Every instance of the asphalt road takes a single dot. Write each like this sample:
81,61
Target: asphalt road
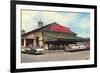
56,56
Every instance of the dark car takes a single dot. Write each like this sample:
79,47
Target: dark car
35,50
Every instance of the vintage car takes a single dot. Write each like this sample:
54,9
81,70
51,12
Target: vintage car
23,50
87,45
35,50
75,47
71,48
81,47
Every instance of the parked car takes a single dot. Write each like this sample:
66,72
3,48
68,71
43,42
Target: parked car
71,48
87,45
76,47
66,49
82,47
35,50
23,50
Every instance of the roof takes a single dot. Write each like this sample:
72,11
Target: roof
47,28
58,36
51,37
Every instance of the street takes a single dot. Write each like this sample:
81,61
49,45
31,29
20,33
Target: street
55,56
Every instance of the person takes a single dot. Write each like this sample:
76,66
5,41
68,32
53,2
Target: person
31,46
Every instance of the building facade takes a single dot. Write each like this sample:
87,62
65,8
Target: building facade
51,36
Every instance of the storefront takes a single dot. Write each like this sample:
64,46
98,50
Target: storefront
51,36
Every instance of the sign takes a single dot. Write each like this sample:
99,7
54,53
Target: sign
59,28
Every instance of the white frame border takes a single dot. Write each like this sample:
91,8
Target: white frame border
20,65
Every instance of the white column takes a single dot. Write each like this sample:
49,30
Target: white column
24,42
34,42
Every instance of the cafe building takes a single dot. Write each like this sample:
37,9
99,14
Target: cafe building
51,36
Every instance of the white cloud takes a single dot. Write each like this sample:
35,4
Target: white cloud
27,19
30,19
83,35
59,18
84,23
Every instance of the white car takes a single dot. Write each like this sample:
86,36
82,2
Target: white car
39,50
72,47
23,50
82,47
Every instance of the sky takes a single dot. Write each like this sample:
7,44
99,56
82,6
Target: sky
78,22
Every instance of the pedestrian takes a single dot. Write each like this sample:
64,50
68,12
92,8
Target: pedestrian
31,46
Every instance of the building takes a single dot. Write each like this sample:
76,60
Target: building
51,36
